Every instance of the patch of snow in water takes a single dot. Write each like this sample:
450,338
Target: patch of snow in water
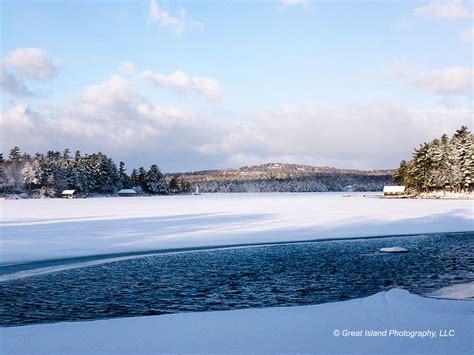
459,292
394,250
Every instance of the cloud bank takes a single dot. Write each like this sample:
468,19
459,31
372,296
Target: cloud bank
116,119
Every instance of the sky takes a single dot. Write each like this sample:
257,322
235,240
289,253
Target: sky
194,85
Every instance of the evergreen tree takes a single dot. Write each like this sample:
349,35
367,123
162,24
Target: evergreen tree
173,186
3,177
15,154
47,175
462,143
125,181
134,178
154,181
33,175
141,178
14,168
440,164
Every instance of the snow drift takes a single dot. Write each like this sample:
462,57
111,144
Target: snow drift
420,325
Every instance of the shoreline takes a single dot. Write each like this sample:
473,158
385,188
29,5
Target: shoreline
345,194
341,325
61,264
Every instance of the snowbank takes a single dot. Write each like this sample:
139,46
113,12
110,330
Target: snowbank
405,323
446,195
60,228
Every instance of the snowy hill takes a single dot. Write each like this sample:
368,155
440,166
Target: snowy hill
276,177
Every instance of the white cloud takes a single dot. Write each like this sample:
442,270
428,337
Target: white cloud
26,64
446,81
178,81
32,63
18,117
13,85
468,35
452,10
178,23
24,126
207,87
397,70
364,136
113,118
112,109
127,69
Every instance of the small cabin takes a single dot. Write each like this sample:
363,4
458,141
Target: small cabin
393,190
68,193
127,193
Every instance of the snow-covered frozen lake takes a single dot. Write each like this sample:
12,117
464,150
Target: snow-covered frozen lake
96,243
61,228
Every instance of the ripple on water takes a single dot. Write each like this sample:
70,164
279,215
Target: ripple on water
265,276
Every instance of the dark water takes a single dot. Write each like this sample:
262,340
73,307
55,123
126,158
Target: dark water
264,276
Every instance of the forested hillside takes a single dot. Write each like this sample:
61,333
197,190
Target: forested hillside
275,177
444,164
47,175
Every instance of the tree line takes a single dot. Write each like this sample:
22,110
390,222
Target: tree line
47,175
444,164
316,182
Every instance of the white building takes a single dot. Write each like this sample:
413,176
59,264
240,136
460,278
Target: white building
127,193
68,193
393,190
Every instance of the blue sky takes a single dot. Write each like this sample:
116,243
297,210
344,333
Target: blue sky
276,70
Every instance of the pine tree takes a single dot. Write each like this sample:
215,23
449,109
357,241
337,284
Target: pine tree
134,178
173,186
125,181
154,181
440,164
462,143
13,169
141,178
15,153
3,177
32,174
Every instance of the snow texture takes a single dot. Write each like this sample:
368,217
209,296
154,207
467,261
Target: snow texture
457,291
394,250
306,329
43,229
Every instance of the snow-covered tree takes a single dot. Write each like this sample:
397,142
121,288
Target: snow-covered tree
125,181
3,177
440,164
154,181
32,174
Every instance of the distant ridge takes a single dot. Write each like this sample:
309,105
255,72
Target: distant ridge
278,177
